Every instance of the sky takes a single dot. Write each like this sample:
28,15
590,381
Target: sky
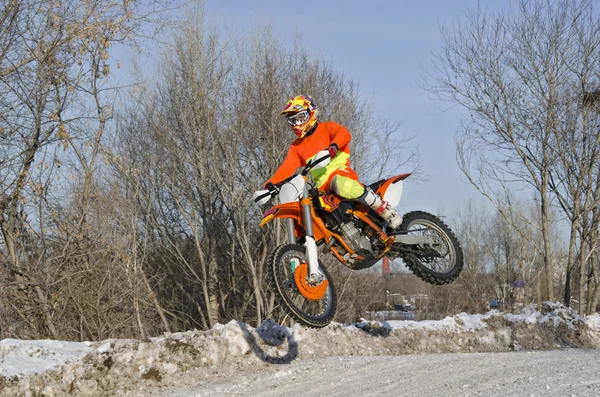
385,46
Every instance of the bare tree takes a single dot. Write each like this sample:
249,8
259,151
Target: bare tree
472,225
53,61
516,75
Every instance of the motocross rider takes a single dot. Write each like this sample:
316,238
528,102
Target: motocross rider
337,176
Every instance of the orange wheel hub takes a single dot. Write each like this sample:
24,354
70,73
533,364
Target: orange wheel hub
312,293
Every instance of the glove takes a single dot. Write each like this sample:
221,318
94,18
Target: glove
332,149
271,188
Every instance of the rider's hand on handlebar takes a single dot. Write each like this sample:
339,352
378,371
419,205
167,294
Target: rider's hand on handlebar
332,149
271,188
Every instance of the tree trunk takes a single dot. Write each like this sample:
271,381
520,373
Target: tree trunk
549,291
213,298
594,289
570,262
567,296
582,278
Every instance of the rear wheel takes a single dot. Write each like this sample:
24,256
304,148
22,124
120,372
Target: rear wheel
440,263
313,306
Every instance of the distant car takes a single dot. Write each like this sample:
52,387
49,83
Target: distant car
405,308
495,304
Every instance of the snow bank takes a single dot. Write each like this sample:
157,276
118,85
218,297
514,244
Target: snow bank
130,367
23,357
593,322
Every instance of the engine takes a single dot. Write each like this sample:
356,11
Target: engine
354,238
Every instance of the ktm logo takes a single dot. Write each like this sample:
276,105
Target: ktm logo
328,202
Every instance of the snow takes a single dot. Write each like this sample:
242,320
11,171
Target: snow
556,373
125,366
21,357
593,322
529,318
457,323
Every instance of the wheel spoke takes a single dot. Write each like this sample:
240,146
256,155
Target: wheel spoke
444,258
313,313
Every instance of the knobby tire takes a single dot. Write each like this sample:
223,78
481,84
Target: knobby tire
274,270
414,263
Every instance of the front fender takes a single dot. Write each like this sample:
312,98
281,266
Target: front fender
293,210
285,210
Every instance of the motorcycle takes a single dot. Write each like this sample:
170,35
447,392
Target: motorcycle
354,235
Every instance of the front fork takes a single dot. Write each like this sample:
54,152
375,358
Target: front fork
314,275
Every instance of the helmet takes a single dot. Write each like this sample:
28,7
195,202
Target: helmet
301,113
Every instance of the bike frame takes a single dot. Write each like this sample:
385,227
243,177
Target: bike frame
297,208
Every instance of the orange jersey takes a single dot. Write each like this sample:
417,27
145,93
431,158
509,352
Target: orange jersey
326,134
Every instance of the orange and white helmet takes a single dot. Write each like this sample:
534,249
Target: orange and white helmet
301,113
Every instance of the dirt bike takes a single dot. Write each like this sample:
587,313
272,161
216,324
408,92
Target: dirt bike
354,234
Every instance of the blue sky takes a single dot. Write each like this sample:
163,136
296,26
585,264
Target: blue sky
384,45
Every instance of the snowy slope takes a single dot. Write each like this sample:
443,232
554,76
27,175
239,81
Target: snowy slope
132,367
22,357
548,373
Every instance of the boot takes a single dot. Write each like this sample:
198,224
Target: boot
382,208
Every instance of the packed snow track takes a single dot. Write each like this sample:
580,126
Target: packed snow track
572,372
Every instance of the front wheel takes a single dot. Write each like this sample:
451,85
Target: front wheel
287,269
440,263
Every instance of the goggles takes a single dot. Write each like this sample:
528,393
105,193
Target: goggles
298,118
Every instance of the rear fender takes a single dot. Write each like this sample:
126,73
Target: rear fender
391,189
